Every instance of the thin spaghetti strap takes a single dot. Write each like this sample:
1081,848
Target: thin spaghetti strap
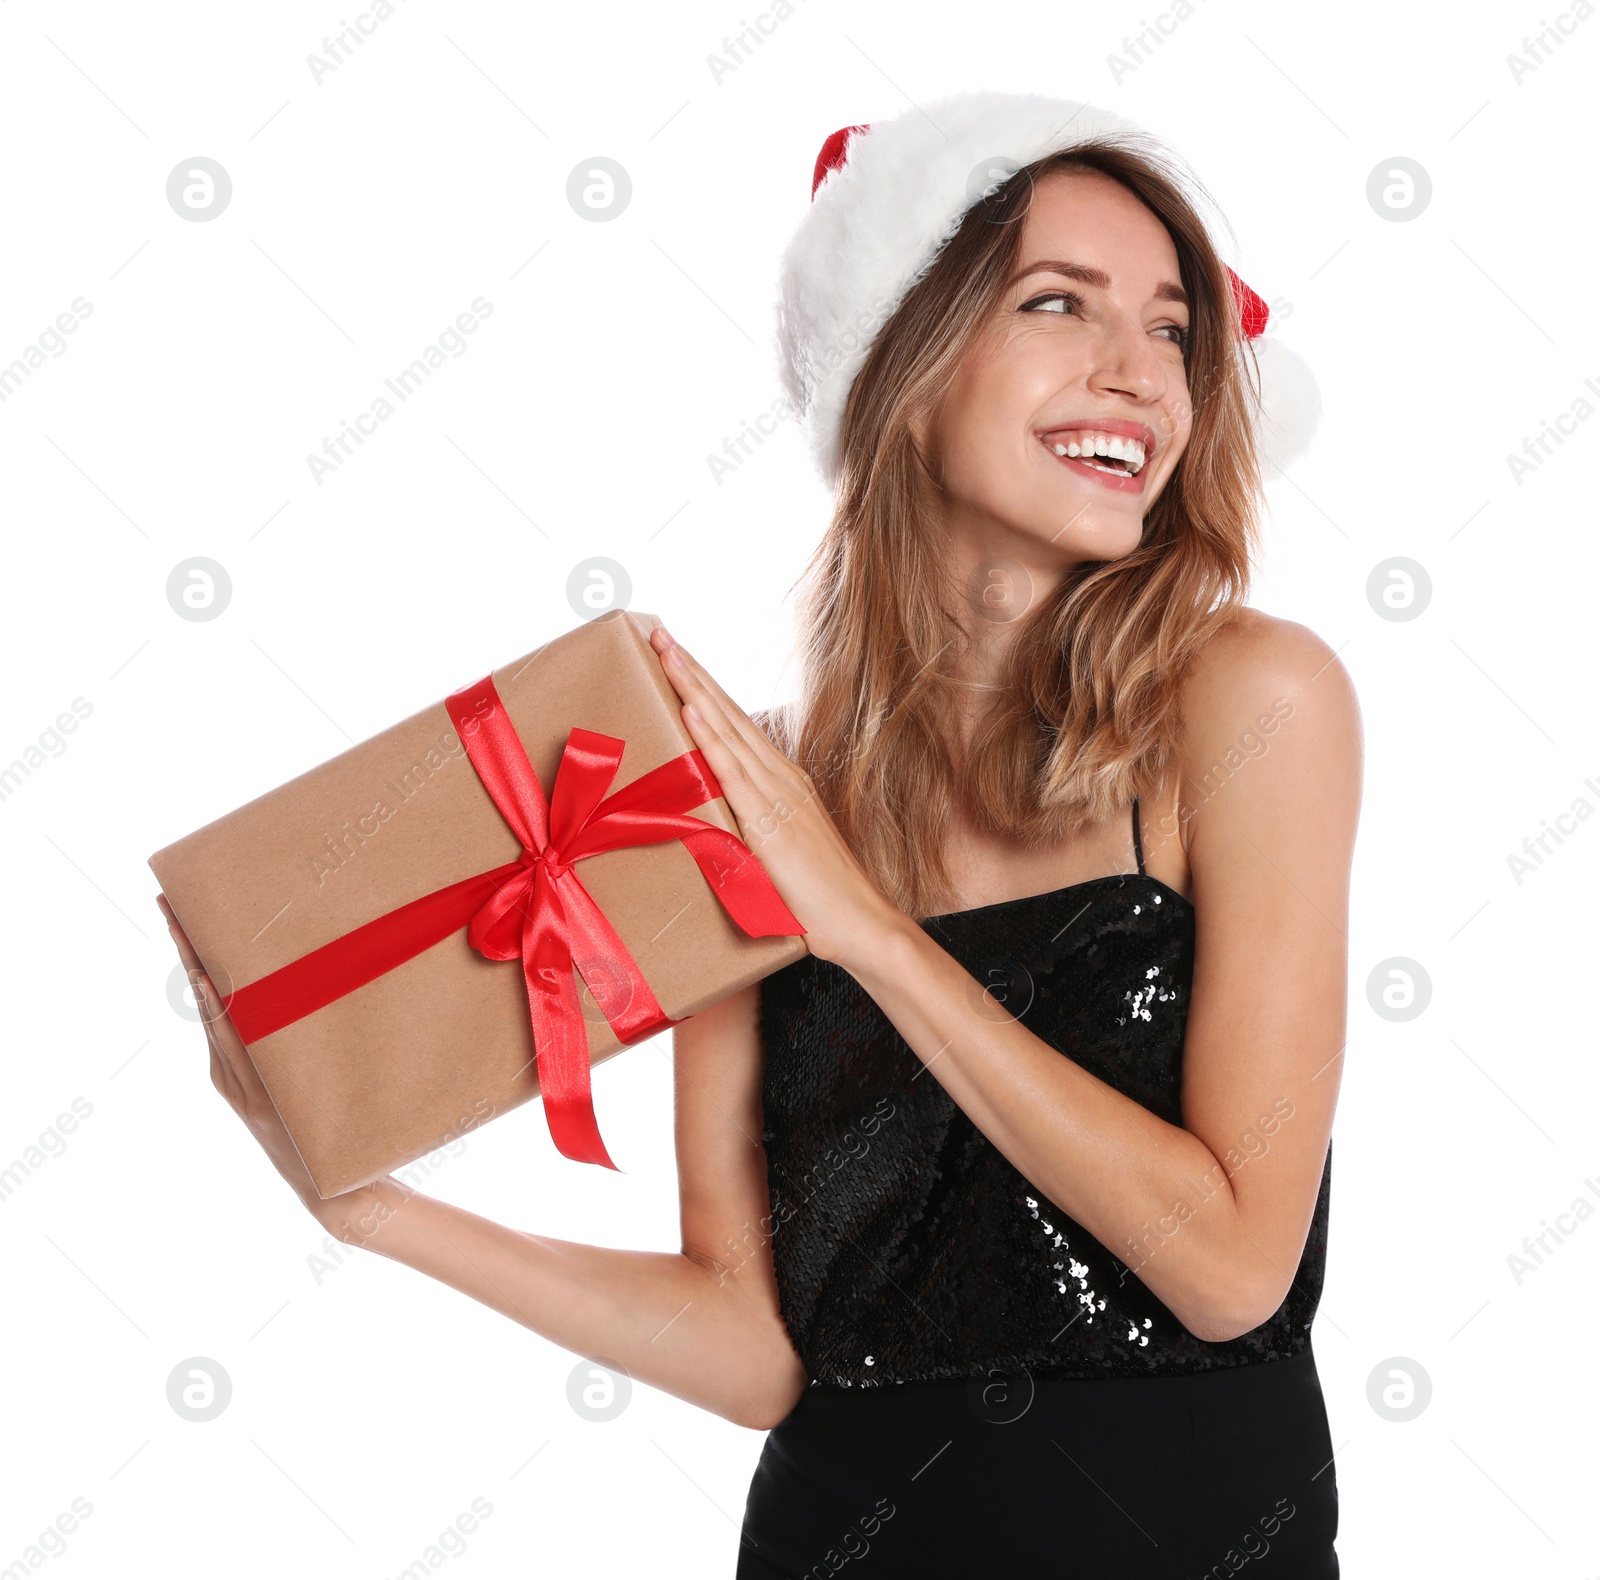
1138,847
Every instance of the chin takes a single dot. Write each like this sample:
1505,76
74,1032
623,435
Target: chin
1095,533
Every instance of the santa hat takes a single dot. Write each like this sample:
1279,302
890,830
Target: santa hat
885,199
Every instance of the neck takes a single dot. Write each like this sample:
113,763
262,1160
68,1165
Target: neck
995,578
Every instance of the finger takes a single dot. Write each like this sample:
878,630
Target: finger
731,757
227,1069
243,1074
762,800
191,963
727,748
735,747
191,960
214,1011
694,684
223,1075
232,1071
757,779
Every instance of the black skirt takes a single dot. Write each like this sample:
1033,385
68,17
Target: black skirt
1171,1477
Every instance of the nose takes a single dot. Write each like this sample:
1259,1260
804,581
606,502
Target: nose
1126,362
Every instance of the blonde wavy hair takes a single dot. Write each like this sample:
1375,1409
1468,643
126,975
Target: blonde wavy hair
1087,713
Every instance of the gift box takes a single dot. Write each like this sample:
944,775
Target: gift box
476,906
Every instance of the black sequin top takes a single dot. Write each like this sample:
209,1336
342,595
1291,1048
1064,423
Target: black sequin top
906,1246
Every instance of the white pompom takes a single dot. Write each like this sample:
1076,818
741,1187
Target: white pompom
1291,405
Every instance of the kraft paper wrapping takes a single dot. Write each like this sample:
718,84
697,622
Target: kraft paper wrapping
442,1044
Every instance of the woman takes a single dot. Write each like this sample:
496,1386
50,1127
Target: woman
1005,1209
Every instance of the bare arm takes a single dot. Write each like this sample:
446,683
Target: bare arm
1212,1214
1270,858
701,1323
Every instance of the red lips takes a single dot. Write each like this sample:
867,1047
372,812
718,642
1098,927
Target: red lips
1117,425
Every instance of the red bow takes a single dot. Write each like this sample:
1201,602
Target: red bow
536,908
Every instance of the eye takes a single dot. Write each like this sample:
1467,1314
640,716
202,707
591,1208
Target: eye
1058,301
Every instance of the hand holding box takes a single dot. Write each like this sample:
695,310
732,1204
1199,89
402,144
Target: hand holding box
350,917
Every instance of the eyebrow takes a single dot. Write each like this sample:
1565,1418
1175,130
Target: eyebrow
1166,291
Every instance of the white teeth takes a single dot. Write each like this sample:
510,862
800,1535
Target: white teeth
1111,445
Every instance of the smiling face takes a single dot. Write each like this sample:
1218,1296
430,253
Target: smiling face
1085,356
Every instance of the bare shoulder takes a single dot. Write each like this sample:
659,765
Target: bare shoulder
1268,688
1257,653
1258,671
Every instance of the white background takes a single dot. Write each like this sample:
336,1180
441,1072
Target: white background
371,1406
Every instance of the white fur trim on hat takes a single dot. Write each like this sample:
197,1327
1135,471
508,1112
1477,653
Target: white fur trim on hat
1291,405
877,223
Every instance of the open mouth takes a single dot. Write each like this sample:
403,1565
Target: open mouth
1117,459
1106,463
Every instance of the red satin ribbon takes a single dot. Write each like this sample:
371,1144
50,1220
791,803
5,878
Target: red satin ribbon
537,910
